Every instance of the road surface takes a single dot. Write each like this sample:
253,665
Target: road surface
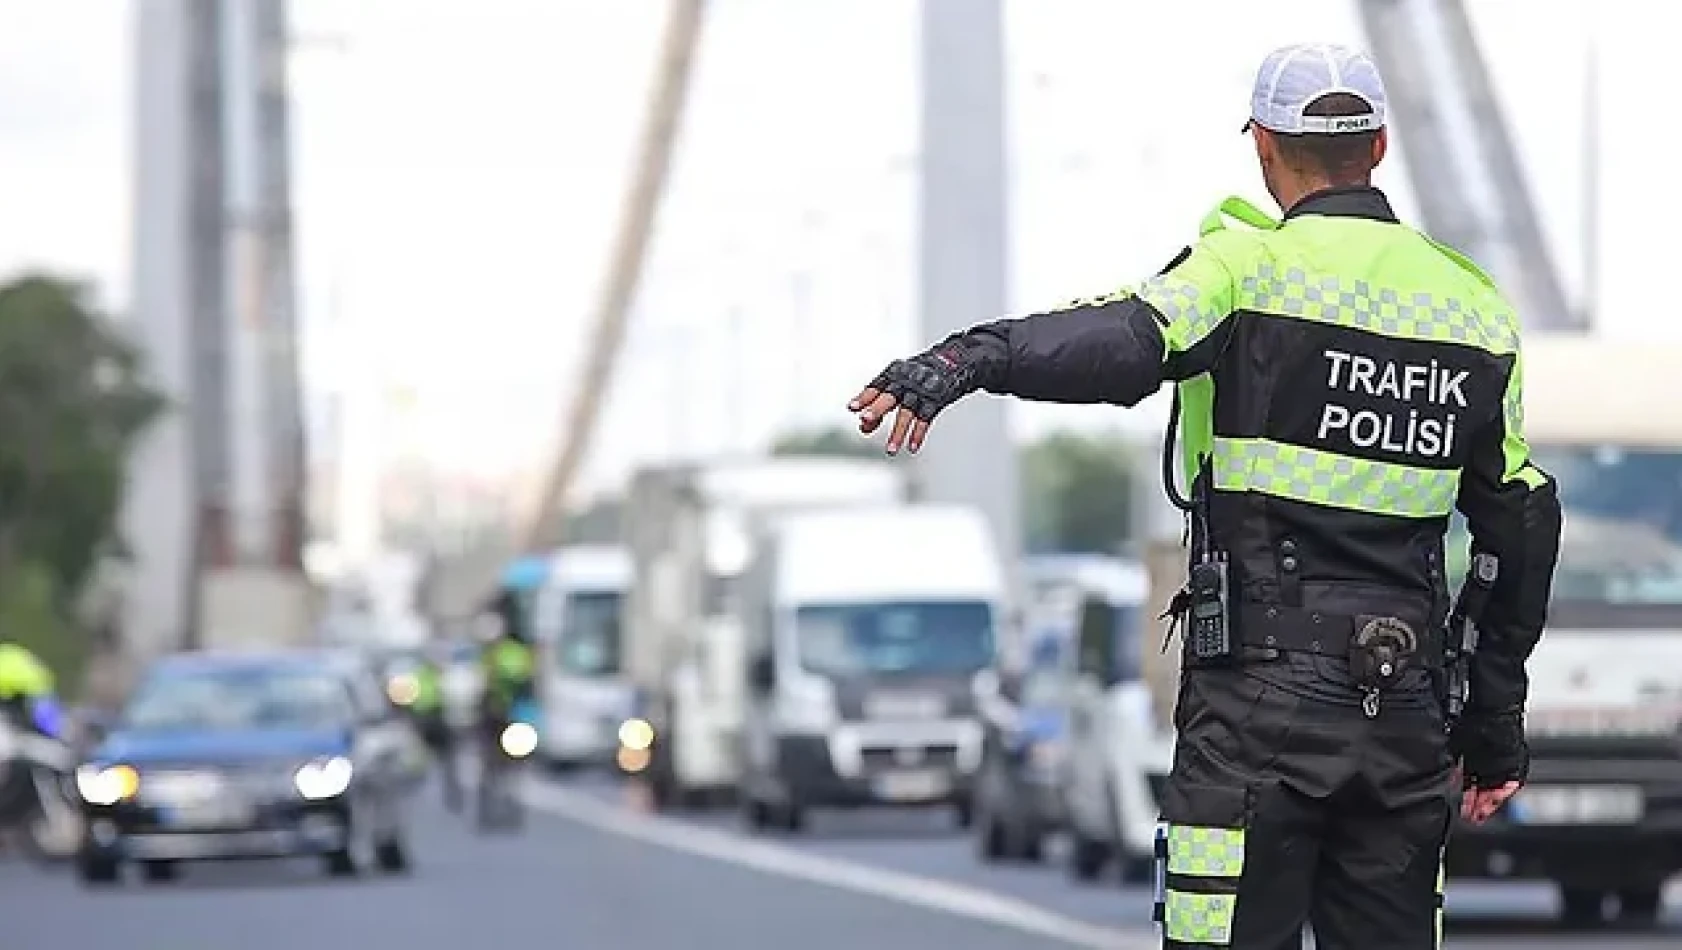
592,873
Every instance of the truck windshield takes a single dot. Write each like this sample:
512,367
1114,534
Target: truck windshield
589,641
887,638
1622,541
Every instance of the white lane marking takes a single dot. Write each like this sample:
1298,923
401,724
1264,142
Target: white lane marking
916,890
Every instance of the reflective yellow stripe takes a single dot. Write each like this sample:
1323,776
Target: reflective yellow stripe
1199,918
1205,852
1412,315
1333,480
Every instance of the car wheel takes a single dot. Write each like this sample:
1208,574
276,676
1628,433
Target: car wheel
158,872
1640,905
963,811
96,870
1087,857
994,839
392,855
1032,846
1581,906
1136,870
341,863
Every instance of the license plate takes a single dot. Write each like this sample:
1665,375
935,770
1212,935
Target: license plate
208,815
1577,805
911,786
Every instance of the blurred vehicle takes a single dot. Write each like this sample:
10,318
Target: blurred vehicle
863,680
248,755
691,529
580,683
38,808
1118,753
1602,813
1024,760
498,804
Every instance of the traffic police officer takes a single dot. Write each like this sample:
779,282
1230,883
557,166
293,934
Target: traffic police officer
26,689
1344,383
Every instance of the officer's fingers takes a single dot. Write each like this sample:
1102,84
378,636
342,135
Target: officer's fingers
919,432
866,396
871,416
902,428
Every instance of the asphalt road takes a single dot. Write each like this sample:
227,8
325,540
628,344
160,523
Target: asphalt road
592,873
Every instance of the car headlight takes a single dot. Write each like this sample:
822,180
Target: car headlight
402,690
323,778
519,739
636,734
107,785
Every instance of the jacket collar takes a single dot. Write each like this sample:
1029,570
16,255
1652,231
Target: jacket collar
1356,201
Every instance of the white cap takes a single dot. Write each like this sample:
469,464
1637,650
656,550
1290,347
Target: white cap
1294,77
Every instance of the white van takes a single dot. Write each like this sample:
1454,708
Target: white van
1119,754
576,622
867,630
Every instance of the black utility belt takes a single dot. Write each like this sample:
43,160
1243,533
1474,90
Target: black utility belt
1269,627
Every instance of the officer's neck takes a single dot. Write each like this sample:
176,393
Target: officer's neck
1295,189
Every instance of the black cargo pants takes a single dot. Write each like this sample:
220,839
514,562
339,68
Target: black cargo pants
1288,806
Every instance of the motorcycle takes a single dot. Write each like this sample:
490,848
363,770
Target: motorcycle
38,804
498,805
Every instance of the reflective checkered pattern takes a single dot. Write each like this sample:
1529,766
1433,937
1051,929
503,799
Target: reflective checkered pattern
1294,292
1181,303
1338,481
1205,852
1199,918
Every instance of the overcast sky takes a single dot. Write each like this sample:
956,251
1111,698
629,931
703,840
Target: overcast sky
460,164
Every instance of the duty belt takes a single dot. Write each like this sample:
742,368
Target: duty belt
1277,627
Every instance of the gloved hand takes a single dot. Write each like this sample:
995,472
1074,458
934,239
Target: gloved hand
919,388
1491,748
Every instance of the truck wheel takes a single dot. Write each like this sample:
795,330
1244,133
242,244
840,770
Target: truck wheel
1640,905
1087,857
755,815
794,818
158,872
1581,906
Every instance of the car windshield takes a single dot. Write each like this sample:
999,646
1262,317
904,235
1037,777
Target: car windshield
1622,541
589,634
239,698
852,639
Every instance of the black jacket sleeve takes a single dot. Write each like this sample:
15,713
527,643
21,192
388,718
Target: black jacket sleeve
1117,349
1512,508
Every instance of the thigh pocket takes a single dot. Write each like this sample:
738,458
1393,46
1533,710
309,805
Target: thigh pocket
1200,859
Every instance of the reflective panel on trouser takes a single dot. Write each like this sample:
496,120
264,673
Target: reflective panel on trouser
1201,911
1327,478
1293,292
1442,882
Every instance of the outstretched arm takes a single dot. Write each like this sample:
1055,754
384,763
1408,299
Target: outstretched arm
1116,350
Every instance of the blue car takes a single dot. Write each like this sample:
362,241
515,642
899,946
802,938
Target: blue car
248,756
1019,792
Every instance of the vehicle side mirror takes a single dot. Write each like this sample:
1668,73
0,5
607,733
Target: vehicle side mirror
762,674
